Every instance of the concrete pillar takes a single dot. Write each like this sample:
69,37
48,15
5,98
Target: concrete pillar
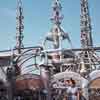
85,93
45,76
85,89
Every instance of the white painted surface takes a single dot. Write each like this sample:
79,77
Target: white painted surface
94,75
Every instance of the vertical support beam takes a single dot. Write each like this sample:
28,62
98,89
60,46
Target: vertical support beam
11,83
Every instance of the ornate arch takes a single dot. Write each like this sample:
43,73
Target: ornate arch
95,78
80,81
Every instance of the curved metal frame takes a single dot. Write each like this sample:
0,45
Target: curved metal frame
27,55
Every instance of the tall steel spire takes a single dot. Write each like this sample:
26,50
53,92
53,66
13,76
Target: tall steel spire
19,26
57,34
57,16
85,23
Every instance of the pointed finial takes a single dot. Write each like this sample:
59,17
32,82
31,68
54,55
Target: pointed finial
56,15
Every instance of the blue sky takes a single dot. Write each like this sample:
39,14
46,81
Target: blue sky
37,23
